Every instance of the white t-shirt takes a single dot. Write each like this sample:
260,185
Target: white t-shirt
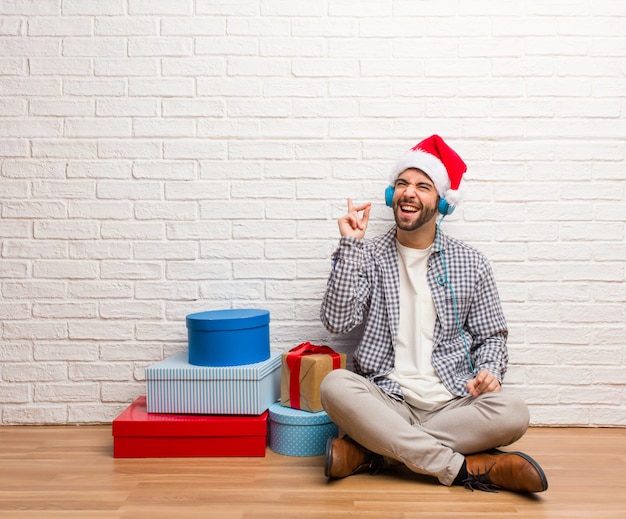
413,369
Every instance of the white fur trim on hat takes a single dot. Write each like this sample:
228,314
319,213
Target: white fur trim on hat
427,163
453,197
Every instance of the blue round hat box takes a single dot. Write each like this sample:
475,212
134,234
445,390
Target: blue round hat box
228,337
299,433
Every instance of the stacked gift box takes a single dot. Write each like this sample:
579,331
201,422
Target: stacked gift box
218,397
298,424
211,400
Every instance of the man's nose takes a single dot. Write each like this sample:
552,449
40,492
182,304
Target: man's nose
410,190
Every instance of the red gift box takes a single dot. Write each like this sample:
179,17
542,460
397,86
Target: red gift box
139,434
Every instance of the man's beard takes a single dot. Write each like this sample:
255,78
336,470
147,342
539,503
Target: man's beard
425,215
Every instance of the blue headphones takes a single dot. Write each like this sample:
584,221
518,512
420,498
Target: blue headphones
443,207
443,280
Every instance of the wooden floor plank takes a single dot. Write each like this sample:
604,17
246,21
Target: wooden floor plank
54,472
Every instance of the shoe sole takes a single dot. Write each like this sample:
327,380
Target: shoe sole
536,466
329,449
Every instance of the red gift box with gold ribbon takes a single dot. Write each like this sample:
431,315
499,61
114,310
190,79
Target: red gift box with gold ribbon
303,369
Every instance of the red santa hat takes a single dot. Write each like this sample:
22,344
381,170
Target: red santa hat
440,162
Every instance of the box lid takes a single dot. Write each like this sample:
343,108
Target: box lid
224,320
290,416
136,421
178,367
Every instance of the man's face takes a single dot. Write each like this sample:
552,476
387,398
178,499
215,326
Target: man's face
415,200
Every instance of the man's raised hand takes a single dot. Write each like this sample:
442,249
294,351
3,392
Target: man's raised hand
354,224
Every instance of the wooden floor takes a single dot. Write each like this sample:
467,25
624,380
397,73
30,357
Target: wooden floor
66,472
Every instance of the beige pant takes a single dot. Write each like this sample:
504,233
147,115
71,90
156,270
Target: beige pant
432,443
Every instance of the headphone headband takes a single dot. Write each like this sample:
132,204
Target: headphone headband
443,206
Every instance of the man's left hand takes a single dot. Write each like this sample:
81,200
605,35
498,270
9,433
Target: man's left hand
485,382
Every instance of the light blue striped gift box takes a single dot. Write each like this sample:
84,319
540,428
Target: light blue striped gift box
175,386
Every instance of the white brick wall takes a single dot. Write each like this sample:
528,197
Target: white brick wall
159,158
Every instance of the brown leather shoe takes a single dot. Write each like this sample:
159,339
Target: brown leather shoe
507,470
345,457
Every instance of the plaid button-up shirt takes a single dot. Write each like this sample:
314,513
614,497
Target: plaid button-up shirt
364,287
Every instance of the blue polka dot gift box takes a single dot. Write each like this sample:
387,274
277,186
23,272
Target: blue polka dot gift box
299,433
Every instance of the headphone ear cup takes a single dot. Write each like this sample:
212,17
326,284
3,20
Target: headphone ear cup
389,195
444,207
